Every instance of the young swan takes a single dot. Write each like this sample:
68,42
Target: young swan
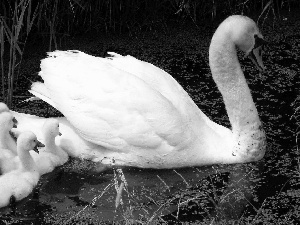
4,108
52,155
8,144
12,145
19,183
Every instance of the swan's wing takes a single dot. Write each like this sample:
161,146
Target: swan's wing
157,78
111,107
164,83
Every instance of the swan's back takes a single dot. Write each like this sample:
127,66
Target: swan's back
165,84
111,79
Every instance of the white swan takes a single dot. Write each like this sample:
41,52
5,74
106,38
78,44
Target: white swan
52,155
128,112
19,183
7,156
7,122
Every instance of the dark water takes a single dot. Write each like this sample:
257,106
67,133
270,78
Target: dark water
265,192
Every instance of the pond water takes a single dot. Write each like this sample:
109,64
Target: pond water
262,192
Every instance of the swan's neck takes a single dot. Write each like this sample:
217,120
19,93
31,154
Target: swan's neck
51,147
7,142
3,138
26,160
228,76
50,144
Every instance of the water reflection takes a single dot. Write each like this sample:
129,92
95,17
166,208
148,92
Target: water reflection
187,194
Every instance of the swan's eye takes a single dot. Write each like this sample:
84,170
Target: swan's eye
259,42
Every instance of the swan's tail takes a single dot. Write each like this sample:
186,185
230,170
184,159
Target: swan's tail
39,90
51,68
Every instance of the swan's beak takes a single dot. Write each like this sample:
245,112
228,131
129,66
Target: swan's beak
13,135
256,56
38,144
15,121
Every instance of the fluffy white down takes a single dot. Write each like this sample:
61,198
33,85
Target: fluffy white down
8,156
6,125
20,182
8,161
51,155
128,112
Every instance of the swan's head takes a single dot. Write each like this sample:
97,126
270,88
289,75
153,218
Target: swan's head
27,141
7,121
245,34
3,107
51,128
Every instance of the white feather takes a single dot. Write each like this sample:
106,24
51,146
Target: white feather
51,155
20,182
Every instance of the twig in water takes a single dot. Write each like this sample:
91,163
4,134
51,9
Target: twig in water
297,152
259,211
156,211
163,182
92,203
151,199
187,201
178,207
119,189
223,197
119,194
187,184
245,175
